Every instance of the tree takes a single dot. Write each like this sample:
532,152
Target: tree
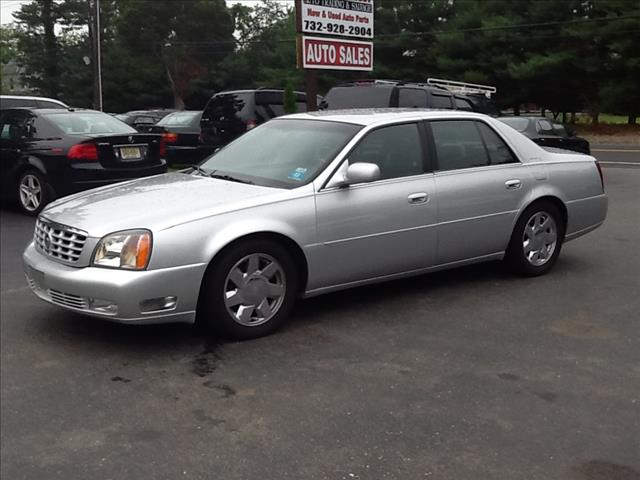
38,46
290,105
8,53
187,38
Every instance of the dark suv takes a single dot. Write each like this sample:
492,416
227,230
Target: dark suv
392,93
229,114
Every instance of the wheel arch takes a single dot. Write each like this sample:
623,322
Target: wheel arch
555,200
286,241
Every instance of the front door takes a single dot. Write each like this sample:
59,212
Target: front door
384,227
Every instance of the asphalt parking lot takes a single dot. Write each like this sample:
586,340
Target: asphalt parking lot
466,374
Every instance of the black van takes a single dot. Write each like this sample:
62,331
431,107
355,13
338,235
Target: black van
393,93
229,114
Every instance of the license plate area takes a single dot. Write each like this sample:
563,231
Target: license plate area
131,153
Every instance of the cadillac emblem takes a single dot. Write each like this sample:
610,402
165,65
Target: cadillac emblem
47,242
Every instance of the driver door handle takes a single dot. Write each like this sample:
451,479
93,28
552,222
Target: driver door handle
415,198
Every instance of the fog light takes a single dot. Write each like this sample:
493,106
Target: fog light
102,306
158,304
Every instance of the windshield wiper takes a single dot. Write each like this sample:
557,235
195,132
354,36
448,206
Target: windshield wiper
199,169
228,178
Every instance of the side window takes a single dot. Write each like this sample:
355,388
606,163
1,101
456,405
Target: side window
458,145
544,127
440,101
499,153
397,150
463,104
412,98
16,125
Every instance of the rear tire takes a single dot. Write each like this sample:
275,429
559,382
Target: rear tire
33,192
536,240
249,290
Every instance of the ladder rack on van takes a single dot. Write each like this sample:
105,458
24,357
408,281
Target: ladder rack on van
462,88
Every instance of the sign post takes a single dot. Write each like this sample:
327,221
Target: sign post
327,21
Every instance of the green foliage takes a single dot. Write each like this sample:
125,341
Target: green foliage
563,55
290,105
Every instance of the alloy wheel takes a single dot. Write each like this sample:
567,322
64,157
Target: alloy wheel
540,238
254,289
30,192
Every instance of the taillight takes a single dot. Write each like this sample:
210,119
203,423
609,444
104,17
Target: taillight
83,151
251,124
601,174
163,148
170,137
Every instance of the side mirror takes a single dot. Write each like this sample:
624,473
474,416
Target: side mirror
359,172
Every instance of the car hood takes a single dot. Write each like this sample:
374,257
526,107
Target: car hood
155,202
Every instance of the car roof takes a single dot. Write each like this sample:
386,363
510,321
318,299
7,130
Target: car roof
371,116
54,110
27,97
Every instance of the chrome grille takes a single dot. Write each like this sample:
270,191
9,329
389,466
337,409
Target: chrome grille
68,299
59,241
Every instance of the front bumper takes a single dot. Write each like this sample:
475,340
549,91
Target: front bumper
85,289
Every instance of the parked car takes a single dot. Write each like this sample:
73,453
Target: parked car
547,134
141,120
311,203
392,93
48,153
181,133
15,101
229,114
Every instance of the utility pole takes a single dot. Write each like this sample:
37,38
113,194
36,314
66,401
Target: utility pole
310,76
96,60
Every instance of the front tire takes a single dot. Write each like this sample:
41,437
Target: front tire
536,240
33,192
249,290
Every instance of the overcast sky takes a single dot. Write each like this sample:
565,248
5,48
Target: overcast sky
7,7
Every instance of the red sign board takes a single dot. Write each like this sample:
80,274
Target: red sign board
334,54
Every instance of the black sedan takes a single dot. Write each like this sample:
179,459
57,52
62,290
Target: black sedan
181,133
547,134
49,153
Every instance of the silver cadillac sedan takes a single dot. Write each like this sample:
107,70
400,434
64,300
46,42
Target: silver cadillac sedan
308,204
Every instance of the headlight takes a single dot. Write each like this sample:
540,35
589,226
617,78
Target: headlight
129,250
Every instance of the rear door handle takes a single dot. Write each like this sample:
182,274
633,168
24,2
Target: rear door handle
418,198
513,184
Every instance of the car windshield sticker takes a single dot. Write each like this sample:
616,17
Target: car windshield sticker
298,174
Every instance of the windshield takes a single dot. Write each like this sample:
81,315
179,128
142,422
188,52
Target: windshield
282,153
83,123
181,119
519,124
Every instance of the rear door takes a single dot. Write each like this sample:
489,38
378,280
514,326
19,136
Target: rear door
384,227
227,116
480,185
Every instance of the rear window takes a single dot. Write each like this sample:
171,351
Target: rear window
359,96
412,98
519,124
463,104
441,101
180,119
88,123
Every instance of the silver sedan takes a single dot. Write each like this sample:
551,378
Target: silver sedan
308,204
